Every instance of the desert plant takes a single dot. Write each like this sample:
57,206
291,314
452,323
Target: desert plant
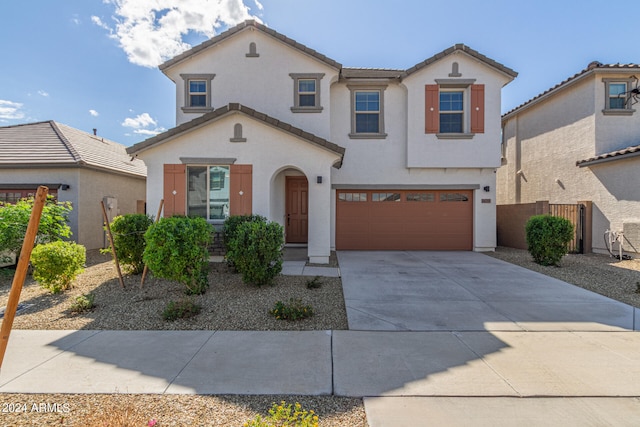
230,230
284,415
82,303
56,264
257,251
128,239
548,238
314,283
295,309
180,309
176,249
14,218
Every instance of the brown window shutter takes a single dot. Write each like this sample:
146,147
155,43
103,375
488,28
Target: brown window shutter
431,109
175,187
477,108
240,189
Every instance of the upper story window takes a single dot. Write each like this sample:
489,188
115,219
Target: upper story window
617,96
367,111
451,111
306,92
454,108
197,89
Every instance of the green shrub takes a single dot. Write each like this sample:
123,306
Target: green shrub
181,309
176,249
14,219
294,310
284,415
548,238
56,264
314,283
230,230
82,303
128,239
257,251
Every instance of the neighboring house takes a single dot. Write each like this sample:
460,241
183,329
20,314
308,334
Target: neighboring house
78,167
579,141
343,158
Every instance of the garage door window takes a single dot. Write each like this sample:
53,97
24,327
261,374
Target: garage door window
352,197
453,197
420,197
385,197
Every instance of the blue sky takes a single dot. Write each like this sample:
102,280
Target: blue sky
92,63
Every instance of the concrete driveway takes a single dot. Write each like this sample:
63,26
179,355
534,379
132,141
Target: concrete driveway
467,291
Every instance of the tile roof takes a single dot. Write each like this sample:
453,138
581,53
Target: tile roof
52,144
614,155
242,26
230,108
592,68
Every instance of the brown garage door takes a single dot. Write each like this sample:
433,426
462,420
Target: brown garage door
404,220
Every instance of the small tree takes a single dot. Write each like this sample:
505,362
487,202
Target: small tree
14,219
548,238
128,239
176,249
257,251
57,264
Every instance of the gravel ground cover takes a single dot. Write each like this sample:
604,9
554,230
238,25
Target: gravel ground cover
228,304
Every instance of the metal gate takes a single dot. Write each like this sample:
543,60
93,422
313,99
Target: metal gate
575,214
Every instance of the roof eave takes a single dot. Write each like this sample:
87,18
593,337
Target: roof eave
585,163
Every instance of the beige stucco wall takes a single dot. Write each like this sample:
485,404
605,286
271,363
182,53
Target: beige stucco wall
86,189
262,83
545,141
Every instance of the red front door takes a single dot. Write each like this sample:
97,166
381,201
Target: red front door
296,222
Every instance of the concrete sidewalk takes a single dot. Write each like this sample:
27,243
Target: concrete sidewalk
344,363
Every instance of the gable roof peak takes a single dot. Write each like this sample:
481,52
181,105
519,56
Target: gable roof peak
461,47
251,24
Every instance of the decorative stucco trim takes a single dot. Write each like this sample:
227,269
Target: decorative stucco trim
455,135
455,83
208,160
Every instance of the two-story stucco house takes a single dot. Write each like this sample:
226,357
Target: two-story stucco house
344,158
579,141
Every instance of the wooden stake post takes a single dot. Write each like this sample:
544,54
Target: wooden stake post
21,269
113,247
146,268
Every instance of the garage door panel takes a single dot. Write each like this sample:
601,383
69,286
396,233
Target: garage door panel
404,220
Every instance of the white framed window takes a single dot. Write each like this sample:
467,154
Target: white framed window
616,95
197,89
452,119
367,111
306,92
208,192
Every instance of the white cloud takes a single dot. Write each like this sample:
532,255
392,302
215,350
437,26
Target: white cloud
11,110
151,31
258,5
94,113
143,124
43,93
140,121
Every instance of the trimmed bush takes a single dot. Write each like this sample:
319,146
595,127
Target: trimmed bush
230,230
56,264
548,238
176,249
128,239
181,309
284,415
257,251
